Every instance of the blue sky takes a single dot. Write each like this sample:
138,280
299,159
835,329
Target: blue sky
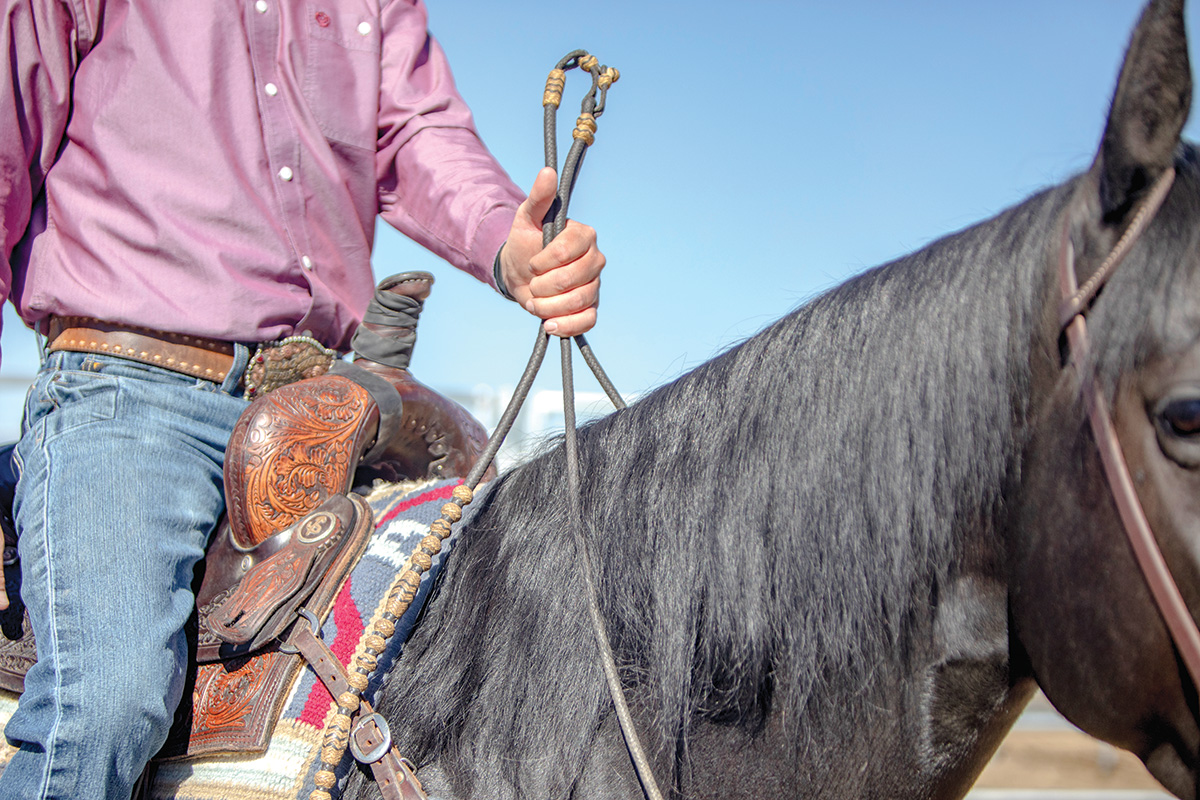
755,154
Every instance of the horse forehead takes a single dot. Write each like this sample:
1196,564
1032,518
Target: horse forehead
1177,360
1149,320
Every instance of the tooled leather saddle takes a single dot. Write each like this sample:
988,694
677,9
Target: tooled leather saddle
293,527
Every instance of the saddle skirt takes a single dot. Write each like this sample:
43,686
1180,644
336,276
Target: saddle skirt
244,694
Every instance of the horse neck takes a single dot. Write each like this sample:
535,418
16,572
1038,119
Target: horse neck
774,531
853,457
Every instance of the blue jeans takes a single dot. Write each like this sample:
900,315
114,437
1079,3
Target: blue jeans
120,489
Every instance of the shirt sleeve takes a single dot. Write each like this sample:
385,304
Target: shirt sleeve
438,184
43,40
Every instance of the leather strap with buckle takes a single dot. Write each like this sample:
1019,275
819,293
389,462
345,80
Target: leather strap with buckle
210,359
274,364
371,741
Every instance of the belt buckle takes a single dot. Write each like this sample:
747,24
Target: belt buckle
285,361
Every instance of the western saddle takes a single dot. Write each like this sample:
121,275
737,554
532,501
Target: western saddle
294,527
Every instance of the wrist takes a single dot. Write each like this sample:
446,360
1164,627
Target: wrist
498,275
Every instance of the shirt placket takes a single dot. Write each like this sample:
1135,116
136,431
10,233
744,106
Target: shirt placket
281,135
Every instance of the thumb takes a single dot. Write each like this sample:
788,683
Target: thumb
541,197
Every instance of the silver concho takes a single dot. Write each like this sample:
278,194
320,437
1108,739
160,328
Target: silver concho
317,526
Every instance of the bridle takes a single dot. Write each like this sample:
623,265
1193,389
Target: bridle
1076,300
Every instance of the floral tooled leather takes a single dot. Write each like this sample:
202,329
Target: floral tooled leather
291,450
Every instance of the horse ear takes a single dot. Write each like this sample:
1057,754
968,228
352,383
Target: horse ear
1149,109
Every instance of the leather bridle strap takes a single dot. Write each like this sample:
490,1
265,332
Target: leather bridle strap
369,737
1075,302
349,701
585,127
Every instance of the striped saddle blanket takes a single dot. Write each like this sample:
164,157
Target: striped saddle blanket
402,513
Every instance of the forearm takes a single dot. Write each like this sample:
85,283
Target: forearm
449,195
438,184
441,187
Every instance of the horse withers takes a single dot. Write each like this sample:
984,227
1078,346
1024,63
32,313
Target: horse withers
837,560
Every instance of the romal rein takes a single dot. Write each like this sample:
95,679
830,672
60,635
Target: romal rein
354,724
1075,302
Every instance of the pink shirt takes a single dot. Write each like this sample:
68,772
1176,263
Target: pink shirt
215,168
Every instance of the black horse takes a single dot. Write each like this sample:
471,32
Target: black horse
836,560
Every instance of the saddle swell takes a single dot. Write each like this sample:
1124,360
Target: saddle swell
291,450
437,438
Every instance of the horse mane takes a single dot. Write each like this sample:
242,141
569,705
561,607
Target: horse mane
772,527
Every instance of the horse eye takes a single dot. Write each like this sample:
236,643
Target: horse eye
1181,416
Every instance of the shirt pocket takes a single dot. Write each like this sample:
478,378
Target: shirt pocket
341,84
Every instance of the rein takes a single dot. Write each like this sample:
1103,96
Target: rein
353,723
1072,318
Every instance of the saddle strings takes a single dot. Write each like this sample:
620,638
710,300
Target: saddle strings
404,588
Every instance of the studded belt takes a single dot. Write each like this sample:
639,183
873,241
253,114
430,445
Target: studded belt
274,364
210,359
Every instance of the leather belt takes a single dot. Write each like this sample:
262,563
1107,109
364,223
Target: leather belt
210,359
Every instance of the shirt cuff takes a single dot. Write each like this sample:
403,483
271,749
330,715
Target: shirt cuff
489,237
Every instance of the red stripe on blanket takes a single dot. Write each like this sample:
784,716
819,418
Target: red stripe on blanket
347,618
350,627
441,493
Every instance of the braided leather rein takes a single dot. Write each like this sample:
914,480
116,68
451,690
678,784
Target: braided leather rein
353,723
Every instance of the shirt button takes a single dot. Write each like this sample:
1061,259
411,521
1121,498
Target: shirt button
364,28
261,6
286,173
271,89
306,262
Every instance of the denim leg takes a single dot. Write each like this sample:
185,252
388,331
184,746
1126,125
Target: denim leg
120,488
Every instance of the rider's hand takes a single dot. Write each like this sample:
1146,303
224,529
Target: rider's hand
561,283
